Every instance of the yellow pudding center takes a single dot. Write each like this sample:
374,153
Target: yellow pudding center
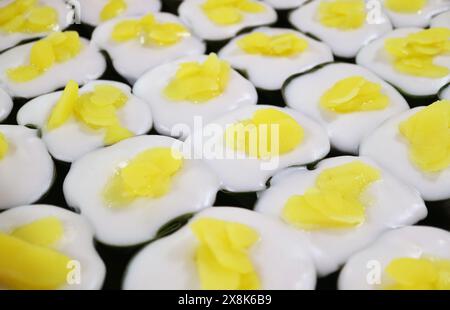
335,201
428,136
199,82
27,16
415,53
148,175
45,232
342,14
405,6
407,273
268,133
27,260
96,109
4,146
229,12
354,94
222,256
57,48
113,9
149,31
282,45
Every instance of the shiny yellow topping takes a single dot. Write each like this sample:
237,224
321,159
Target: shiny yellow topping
149,31
407,273
342,14
148,175
45,232
268,133
199,82
415,53
57,48
4,146
27,16
354,94
113,9
229,12
428,136
97,110
282,45
63,110
26,259
335,201
405,6
222,257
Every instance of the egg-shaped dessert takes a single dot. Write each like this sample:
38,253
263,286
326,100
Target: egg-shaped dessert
441,20
224,248
408,258
414,60
99,11
344,25
247,146
22,20
26,168
193,89
268,56
413,13
139,43
217,20
128,191
6,105
348,100
45,247
340,207
415,146
77,120
444,93
284,4
40,67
